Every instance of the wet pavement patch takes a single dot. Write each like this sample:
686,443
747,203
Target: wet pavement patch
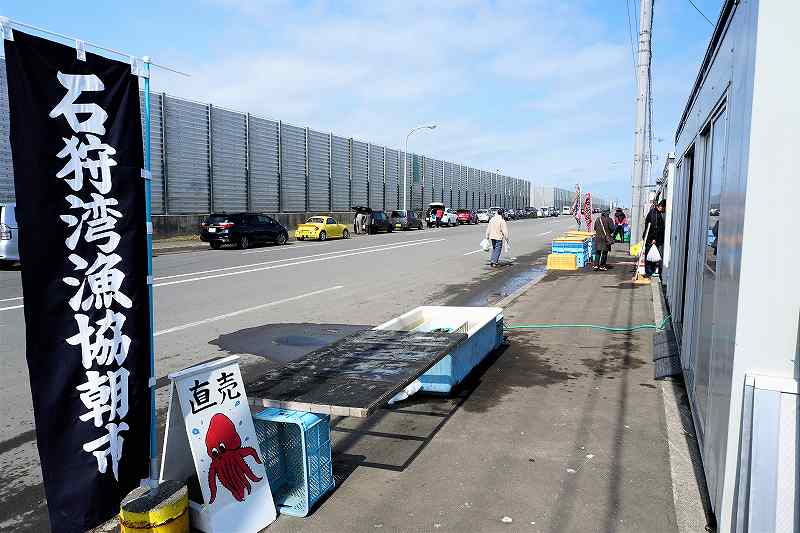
281,343
492,285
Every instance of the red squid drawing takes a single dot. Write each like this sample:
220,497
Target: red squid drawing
224,446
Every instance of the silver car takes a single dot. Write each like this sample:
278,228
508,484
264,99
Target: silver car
9,234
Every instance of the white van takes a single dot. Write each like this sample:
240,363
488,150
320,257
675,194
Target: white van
9,234
566,210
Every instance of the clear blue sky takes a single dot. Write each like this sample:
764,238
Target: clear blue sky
542,89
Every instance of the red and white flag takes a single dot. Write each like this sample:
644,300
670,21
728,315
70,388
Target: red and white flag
587,211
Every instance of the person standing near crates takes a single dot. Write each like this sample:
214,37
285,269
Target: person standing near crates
619,224
654,233
603,239
497,232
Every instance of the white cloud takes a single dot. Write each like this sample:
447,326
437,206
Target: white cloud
534,88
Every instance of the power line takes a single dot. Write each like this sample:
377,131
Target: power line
630,38
701,13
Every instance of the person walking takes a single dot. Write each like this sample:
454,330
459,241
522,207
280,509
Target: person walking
603,239
619,225
655,237
497,232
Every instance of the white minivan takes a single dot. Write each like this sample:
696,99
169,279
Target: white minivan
9,234
566,210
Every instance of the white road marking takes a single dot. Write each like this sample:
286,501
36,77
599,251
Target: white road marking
10,299
223,269
279,248
545,233
315,259
246,310
12,307
474,252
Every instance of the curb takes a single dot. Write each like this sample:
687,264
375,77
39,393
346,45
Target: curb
689,494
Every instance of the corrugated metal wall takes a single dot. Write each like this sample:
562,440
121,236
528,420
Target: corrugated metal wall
205,157
375,176
188,161
392,177
156,150
264,164
229,159
427,181
319,171
360,173
6,167
340,174
293,169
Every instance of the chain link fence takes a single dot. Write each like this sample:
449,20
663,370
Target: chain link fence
207,158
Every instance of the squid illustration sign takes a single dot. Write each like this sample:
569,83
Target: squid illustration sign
211,441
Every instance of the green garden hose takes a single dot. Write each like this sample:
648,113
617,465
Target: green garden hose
657,327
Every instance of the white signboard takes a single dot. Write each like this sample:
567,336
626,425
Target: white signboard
210,433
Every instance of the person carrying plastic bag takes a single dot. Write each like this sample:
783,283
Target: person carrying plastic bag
497,232
654,239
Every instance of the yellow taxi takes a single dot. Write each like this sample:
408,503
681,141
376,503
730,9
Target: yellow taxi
321,228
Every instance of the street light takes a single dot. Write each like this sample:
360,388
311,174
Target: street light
405,162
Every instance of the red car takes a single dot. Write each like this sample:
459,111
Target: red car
467,216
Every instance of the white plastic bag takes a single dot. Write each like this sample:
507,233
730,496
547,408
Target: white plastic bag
411,389
506,253
652,255
486,245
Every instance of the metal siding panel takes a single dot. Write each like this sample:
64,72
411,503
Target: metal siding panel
319,166
340,174
229,159
264,163
358,184
416,187
187,156
448,184
376,177
156,151
427,183
438,182
6,167
293,169
392,178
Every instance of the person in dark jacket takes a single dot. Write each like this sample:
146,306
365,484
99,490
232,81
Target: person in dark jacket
654,235
619,224
603,238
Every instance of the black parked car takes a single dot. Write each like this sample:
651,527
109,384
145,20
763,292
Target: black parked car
241,229
381,222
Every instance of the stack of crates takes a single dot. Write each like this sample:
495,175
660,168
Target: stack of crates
579,246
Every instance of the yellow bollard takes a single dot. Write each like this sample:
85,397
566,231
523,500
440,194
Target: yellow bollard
165,510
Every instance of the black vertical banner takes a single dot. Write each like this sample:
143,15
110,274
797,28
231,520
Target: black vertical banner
77,148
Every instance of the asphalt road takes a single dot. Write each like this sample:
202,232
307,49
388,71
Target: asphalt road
268,305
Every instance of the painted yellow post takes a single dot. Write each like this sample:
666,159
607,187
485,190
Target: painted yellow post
165,510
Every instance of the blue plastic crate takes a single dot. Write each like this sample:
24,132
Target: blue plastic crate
296,448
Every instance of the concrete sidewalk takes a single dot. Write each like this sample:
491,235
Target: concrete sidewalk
561,430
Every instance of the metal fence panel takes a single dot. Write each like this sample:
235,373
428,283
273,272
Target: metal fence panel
264,165
229,160
156,150
293,169
6,168
376,177
319,167
392,176
448,184
438,189
340,174
427,181
188,184
360,176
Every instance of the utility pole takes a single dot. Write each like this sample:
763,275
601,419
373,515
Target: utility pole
641,158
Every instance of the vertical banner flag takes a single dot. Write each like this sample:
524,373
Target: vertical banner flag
76,141
576,205
587,211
